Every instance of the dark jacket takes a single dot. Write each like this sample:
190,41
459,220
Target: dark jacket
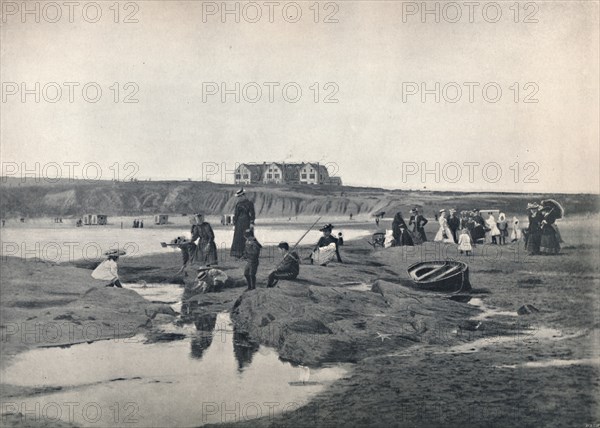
252,250
290,263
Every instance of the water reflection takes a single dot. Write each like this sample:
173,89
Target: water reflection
200,343
243,349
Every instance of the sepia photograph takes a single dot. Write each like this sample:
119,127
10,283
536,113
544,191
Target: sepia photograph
309,213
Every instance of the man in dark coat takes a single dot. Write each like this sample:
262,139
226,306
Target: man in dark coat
418,222
251,255
244,219
454,224
206,249
288,268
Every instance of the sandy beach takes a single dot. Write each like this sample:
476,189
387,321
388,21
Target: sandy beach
416,358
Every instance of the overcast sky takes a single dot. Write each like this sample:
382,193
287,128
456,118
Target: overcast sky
371,134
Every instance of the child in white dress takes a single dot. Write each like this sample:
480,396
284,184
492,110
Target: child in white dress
464,242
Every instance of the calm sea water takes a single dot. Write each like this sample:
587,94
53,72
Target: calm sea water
66,243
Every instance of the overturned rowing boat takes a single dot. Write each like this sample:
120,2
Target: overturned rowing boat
444,275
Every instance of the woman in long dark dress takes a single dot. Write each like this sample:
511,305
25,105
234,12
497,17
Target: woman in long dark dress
206,250
550,241
534,230
479,225
243,219
400,231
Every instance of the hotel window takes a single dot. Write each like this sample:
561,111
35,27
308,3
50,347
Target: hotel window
304,176
276,175
245,175
269,175
238,176
312,176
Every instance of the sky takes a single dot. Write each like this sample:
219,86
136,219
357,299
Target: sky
377,67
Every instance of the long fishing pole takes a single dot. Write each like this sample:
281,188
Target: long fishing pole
298,242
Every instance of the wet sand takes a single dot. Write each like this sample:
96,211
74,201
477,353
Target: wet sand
419,359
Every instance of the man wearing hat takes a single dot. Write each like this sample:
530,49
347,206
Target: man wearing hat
288,268
454,224
326,248
243,219
418,222
251,255
107,270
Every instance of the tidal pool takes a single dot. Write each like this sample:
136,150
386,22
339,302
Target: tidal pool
207,377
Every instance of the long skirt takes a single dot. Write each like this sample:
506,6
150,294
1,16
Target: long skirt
207,253
417,237
478,233
534,241
239,242
550,241
405,239
444,235
323,255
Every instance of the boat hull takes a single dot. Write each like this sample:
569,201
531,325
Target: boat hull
440,276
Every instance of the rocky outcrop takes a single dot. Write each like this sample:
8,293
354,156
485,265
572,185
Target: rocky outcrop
313,325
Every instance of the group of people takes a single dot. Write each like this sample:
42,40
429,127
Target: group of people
411,234
466,230
469,228
201,247
542,235
138,224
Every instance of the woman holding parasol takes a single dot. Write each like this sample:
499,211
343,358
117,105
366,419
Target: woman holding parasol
550,241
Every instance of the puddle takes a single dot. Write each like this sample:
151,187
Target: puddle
360,287
208,377
488,312
555,363
161,293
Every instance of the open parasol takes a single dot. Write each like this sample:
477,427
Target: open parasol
551,203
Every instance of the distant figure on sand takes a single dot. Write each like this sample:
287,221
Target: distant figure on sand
493,231
206,249
503,228
340,239
141,224
251,254
418,222
478,227
464,242
444,233
326,249
108,270
550,241
454,224
244,219
515,233
288,268
534,230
